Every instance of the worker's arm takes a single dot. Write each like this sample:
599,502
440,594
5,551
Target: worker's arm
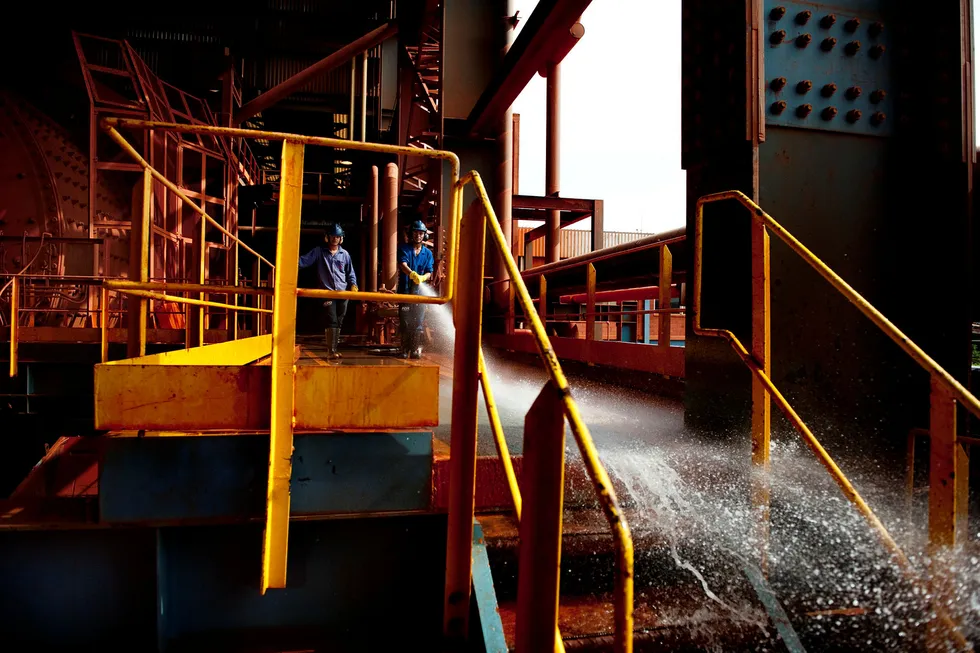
428,267
308,259
403,266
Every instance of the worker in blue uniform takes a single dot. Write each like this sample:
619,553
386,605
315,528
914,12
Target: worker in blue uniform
415,266
336,272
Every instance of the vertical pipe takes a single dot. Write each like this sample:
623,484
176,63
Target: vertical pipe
516,150
761,403
553,161
257,281
389,225
372,274
139,263
14,327
462,446
364,95
276,535
541,523
504,203
664,282
104,323
353,94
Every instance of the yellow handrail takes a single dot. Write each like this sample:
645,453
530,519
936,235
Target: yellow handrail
855,298
149,294
623,611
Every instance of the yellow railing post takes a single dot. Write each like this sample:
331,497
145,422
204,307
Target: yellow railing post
104,323
199,313
543,299
14,307
276,535
761,404
462,445
541,524
663,283
589,303
948,471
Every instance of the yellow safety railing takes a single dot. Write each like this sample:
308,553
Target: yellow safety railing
946,391
465,254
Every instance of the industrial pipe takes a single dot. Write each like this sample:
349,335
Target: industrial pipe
351,117
364,95
626,294
389,225
372,274
552,247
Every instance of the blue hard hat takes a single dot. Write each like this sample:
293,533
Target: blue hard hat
418,225
334,230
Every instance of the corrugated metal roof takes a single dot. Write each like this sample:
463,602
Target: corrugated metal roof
575,242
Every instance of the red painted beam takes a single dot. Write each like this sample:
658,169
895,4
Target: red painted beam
624,295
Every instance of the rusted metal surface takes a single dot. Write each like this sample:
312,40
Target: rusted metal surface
552,183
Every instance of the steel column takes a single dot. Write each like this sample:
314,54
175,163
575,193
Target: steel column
104,324
372,280
543,299
541,523
276,534
389,225
351,116
553,161
761,404
462,448
503,206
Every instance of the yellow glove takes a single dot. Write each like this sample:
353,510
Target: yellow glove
353,288
414,276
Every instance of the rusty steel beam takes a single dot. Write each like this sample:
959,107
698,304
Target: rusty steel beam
650,242
325,65
559,203
551,31
564,221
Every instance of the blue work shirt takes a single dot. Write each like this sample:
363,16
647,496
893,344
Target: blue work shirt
336,272
421,263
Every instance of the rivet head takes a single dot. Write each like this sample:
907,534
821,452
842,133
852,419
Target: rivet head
804,86
803,17
853,93
803,110
777,37
828,89
828,21
878,96
777,107
853,115
777,13
828,44
803,40
829,113
877,118
875,29
778,84
877,51
852,48
852,25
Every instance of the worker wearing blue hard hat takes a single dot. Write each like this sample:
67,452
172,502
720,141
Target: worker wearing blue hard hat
415,266
335,270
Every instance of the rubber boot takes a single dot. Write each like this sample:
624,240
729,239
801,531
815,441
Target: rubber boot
334,343
326,340
416,350
406,345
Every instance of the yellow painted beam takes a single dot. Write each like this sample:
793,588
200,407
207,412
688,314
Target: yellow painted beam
370,396
276,536
232,352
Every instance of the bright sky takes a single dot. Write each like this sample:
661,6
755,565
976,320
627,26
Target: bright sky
620,115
